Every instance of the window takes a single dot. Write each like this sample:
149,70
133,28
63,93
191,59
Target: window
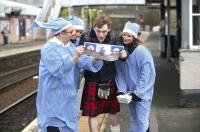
196,22
171,2
4,23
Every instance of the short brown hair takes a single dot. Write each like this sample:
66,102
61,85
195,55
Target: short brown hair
102,20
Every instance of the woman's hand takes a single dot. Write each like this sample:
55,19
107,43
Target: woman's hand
123,54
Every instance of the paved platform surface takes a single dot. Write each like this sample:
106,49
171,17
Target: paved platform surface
166,113
12,49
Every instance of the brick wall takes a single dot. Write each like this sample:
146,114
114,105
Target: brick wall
14,30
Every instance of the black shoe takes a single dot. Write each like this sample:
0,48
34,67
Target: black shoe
148,130
52,129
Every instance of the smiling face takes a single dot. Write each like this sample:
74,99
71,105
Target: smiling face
67,34
102,32
127,38
78,33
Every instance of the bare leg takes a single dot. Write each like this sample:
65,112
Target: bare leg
93,124
114,125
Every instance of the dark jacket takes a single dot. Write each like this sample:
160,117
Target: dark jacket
107,72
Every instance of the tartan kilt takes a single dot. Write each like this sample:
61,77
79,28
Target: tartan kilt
92,106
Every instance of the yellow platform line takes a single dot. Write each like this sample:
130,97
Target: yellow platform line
103,123
82,124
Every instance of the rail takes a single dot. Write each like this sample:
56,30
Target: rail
17,75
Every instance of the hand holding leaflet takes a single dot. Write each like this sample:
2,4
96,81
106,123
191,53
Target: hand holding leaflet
103,51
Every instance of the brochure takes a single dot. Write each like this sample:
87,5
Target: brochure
103,51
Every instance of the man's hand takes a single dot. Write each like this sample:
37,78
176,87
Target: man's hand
80,50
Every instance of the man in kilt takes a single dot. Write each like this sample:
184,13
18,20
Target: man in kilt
92,104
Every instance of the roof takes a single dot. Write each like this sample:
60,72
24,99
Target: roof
16,6
70,3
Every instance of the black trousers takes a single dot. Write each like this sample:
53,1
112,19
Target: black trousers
52,129
5,40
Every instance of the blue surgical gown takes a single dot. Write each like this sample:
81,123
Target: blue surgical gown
137,74
57,101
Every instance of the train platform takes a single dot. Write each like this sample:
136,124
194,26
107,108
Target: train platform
166,113
83,120
13,49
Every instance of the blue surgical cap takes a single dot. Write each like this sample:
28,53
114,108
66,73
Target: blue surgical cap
76,22
132,28
56,26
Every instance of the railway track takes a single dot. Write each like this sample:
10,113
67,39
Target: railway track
19,116
18,92
17,85
12,77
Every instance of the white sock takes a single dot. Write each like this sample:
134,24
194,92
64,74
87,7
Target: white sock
93,124
115,128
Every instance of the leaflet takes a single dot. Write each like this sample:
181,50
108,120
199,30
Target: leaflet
126,98
103,51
